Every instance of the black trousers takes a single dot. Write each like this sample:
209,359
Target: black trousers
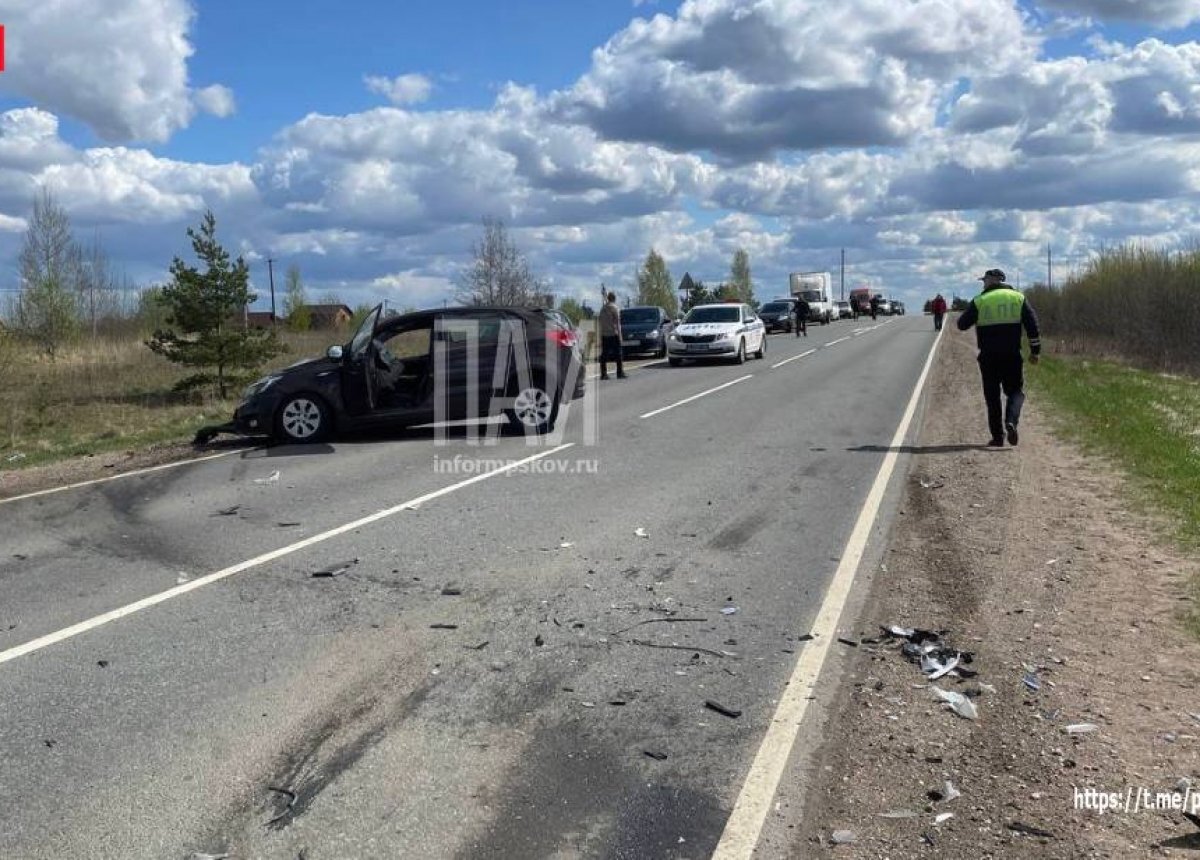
610,350
801,326
1002,372
937,322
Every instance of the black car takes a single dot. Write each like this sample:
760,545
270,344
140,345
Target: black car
778,315
644,328
435,365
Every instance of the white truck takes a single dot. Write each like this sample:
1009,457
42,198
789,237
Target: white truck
816,288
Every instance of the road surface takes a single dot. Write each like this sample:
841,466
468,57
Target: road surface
482,682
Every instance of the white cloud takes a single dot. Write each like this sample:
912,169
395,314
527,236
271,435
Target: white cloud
216,100
1162,13
122,71
403,90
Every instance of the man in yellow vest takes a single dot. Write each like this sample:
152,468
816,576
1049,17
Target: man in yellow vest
998,314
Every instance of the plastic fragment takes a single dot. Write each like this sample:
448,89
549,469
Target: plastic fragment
942,816
272,478
842,837
336,569
721,709
1031,681
641,532
898,813
1080,728
961,705
729,610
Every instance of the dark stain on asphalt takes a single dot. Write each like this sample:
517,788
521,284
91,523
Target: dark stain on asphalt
738,533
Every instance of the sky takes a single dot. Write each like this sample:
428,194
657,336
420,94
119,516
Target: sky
365,141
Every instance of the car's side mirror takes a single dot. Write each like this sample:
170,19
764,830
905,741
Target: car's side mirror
334,352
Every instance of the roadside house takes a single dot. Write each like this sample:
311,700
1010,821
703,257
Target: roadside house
326,317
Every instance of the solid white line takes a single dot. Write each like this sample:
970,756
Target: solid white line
695,396
793,358
163,596
744,827
839,340
129,474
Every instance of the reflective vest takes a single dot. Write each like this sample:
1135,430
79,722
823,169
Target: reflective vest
999,306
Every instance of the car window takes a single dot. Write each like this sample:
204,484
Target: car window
407,343
775,307
712,314
366,328
639,315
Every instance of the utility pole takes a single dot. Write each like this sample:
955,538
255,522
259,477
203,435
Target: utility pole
843,274
271,277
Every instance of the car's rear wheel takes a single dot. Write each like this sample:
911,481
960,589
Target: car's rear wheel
740,358
534,409
303,418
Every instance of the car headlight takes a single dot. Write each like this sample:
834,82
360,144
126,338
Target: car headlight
724,336
256,388
672,336
653,334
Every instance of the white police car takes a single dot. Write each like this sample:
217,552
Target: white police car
726,330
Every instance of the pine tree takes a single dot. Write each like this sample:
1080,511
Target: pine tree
206,317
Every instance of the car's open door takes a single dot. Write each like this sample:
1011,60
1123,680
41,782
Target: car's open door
357,387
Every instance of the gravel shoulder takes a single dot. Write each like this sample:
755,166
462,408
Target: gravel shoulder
1029,558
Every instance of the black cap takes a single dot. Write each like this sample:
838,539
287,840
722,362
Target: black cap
993,273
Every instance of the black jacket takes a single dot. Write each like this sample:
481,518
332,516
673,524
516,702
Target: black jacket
1004,338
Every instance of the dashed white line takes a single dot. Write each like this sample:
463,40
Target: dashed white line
793,358
839,340
695,397
258,560
742,830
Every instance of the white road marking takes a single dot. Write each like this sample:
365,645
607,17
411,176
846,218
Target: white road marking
629,367
839,340
745,823
163,596
695,396
793,358
129,474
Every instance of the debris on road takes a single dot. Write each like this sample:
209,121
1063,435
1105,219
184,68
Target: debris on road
336,570
451,590
1029,830
200,855
931,485
657,756
287,525
103,664
961,705
806,637
478,647
287,810
441,626
842,837
272,478
229,511
1080,728
1032,682
649,621
566,544
721,709
849,642
898,813
675,647
729,610
538,640
942,816
641,532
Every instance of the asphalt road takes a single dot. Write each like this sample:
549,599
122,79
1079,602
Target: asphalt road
268,712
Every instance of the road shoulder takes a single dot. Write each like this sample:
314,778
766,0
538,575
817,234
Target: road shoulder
1029,559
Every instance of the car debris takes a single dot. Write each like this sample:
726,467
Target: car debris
961,705
440,626
201,855
842,837
538,640
1032,682
1080,728
287,810
287,525
721,709
335,570
478,647
898,813
942,816
654,754
228,512
675,647
729,610
649,621
272,478
103,664
1192,817
931,485
1029,830
849,642
566,544
641,532
451,590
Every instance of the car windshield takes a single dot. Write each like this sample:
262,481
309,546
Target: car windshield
639,315
774,307
811,296
713,314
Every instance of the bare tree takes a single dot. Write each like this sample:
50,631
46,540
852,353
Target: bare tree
95,284
499,274
49,265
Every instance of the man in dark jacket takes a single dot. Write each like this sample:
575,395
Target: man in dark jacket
998,314
802,312
938,306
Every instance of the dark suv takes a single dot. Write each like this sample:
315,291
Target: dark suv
436,365
778,315
644,328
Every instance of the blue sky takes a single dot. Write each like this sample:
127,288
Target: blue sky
930,138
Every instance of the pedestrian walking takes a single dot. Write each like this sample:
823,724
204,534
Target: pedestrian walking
802,311
874,306
610,337
939,311
998,314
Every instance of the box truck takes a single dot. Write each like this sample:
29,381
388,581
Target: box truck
816,288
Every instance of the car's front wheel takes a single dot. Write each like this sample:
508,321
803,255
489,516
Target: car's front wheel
303,418
740,358
761,352
534,410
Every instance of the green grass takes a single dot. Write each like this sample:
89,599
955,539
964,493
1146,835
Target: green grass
1147,423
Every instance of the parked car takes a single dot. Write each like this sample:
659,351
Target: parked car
644,328
727,329
898,308
387,375
885,306
778,315
844,311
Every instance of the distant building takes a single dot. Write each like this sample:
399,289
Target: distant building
259,319
329,316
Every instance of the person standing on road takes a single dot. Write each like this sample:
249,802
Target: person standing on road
998,314
939,311
802,312
874,306
610,337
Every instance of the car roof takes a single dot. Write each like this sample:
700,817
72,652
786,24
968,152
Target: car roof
719,305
